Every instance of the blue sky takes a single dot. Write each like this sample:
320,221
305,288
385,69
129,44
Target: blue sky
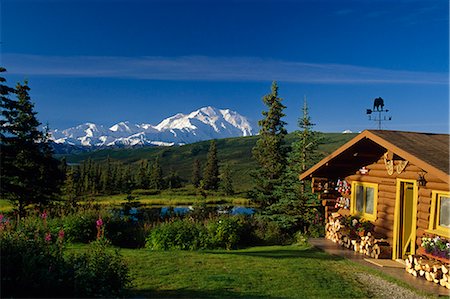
108,61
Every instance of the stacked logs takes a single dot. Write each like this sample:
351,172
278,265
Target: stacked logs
431,270
370,245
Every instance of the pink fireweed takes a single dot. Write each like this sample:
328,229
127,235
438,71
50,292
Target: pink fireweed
44,215
99,222
48,237
100,230
61,234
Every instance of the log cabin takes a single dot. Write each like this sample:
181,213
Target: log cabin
397,180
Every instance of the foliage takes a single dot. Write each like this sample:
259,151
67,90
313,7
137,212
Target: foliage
156,176
196,173
81,226
235,151
179,234
269,150
211,171
99,272
225,232
226,180
33,263
29,174
173,180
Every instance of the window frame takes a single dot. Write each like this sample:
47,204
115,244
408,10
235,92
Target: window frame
433,225
370,217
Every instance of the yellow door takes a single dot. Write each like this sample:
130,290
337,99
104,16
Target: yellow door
405,220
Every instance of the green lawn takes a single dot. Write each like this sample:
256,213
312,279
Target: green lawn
258,272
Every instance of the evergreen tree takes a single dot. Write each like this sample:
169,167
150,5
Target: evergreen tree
211,172
142,179
196,173
292,211
29,172
156,176
173,180
227,180
127,183
269,150
69,188
107,177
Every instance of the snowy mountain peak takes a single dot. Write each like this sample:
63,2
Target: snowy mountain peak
202,124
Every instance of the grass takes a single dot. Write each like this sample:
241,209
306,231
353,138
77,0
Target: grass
257,272
164,199
172,200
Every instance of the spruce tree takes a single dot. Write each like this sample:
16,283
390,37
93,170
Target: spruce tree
29,173
292,211
211,172
142,178
156,176
269,150
196,173
227,180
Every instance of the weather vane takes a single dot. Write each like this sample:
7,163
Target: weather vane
378,106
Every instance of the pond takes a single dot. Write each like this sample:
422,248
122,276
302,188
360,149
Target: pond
161,212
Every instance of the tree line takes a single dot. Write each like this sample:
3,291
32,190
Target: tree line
31,175
112,177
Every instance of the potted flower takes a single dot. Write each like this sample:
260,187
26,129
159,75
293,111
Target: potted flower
437,248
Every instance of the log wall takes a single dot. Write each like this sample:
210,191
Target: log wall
387,189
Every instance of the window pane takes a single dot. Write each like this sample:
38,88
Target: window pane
444,213
359,198
370,194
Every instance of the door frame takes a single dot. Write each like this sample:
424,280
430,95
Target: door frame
395,241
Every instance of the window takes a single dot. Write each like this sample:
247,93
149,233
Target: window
364,200
440,213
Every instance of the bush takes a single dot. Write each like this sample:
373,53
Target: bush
100,272
81,227
300,239
32,265
225,232
124,231
268,232
179,234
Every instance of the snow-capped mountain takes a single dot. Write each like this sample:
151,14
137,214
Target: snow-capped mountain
203,124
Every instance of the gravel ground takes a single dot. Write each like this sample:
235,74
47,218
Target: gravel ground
380,288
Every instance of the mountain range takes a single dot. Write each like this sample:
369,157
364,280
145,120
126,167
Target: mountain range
202,124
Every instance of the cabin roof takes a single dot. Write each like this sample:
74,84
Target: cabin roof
425,150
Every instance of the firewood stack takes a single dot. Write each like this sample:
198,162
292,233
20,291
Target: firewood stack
431,270
370,245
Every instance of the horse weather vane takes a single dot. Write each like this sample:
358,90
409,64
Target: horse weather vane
378,106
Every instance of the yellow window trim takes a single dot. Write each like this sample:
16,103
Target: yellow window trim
433,226
370,217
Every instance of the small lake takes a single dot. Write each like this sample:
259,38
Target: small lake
152,212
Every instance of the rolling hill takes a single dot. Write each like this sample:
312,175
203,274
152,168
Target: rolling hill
237,152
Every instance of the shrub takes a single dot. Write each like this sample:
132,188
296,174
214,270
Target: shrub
225,232
300,239
99,272
124,231
179,234
81,227
268,232
33,264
